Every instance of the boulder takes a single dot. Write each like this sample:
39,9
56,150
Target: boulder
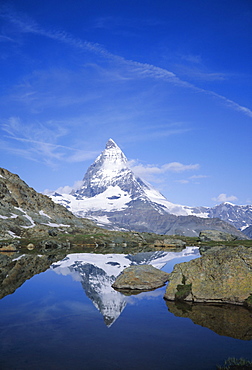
220,275
216,236
140,277
169,242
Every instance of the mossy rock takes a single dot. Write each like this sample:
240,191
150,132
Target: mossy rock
248,302
183,290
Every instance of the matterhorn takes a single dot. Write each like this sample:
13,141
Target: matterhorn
115,198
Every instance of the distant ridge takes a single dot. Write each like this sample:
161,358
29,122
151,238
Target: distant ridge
114,197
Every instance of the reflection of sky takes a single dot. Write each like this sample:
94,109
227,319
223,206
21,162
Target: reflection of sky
49,323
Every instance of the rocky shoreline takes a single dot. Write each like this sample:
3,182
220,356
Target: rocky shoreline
220,275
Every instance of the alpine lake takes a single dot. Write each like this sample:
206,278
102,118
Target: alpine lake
67,316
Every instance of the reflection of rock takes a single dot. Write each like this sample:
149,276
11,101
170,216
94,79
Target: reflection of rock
222,274
141,277
15,271
228,320
8,248
97,272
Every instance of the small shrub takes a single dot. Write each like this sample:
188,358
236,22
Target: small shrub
183,290
234,363
248,301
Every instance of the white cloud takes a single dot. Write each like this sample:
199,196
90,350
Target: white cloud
224,198
183,181
39,142
150,171
65,189
179,167
198,73
198,177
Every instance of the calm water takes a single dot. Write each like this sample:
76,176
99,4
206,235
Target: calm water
70,318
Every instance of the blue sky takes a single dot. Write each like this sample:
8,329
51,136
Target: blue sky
169,81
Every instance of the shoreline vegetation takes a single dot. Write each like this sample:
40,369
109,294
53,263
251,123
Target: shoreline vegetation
105,241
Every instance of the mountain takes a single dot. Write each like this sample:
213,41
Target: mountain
23,211
97,272
114,197
238,216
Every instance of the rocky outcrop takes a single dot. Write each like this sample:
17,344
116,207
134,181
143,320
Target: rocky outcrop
169,242
216,236
222,274
141,277
228,320
23,211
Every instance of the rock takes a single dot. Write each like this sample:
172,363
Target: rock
54,244
169,243
248,302
216,236
52,232
140,277
228,320
220,275
8,248
26,213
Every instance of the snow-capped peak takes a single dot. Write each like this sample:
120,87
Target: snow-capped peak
110,185
112,158
111,144
109,169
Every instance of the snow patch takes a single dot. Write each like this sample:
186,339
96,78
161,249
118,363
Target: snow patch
51,224
13,235
244,227
31,221
42,213
112,199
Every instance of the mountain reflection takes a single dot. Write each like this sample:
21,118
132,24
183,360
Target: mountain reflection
227,320
97,272
15,269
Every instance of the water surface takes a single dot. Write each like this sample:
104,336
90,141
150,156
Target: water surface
69,317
